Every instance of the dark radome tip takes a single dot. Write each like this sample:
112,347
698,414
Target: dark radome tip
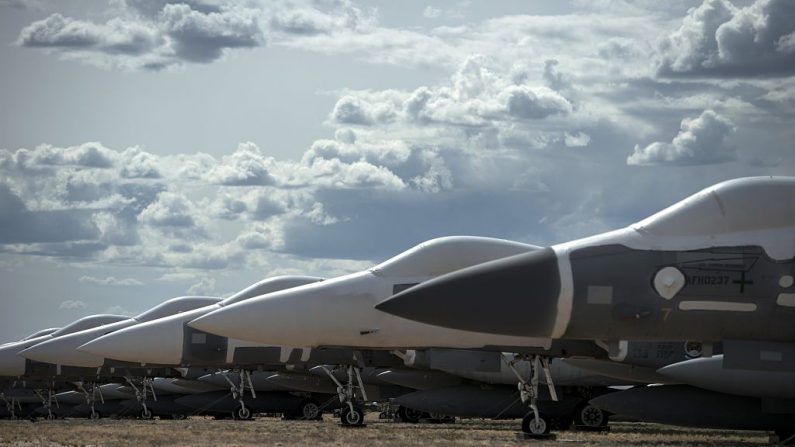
510,296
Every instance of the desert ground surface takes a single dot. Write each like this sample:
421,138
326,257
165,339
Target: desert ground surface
201,431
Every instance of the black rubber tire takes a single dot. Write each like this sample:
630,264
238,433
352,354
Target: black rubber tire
309,410
586,415
352,418
409,415
146,414
94,415
541,428
242,413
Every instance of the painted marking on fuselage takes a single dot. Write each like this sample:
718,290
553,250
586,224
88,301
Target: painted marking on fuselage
566,295
786,281
742,282
600,294
707,280
786,299
717,306
669,281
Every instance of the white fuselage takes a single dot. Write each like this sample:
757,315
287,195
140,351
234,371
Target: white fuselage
339,313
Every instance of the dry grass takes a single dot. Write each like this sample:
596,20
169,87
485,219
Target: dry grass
199,431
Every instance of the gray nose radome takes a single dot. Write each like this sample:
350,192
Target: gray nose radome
511,296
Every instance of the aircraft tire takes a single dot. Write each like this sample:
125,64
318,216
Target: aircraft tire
536,428
352,418
243,413
309,410
409,415
146,414
586,415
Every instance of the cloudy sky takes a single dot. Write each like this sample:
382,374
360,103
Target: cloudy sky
151,149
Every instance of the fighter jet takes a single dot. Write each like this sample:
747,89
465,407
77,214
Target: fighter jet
340,311
54,358
62,350
12,365
717,266
169,341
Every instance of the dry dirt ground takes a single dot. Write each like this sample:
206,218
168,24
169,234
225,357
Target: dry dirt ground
199,431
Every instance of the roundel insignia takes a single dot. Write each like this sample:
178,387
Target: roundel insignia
668,282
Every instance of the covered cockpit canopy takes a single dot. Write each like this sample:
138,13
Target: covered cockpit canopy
88,322
446,254
270,285
41,333
175,306
734,206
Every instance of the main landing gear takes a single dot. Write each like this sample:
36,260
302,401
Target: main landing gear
350,393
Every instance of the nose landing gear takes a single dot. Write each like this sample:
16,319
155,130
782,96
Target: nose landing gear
534,424
350,393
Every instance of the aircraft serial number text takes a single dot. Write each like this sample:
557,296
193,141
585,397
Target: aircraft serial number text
707,280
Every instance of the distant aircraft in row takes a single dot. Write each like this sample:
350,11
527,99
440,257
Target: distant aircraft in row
699,297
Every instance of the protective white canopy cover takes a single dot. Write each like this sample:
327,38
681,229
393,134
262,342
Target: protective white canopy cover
41,333
270,285
734,206
446,254
176,305
87,323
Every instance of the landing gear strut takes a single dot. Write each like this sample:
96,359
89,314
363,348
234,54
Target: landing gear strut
11,405
350,392
239,391
48,401
91,398
534,424
141,393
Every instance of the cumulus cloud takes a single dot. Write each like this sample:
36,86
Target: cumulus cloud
139,164
205,286
721,40
18,224
72,305
479,103
110,281
247,166
701,140
198,36
179,32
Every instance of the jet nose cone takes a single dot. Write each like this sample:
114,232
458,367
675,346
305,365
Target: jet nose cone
150,343
517,295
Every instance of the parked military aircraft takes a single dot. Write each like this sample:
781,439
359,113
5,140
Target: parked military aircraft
718,265
715,267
